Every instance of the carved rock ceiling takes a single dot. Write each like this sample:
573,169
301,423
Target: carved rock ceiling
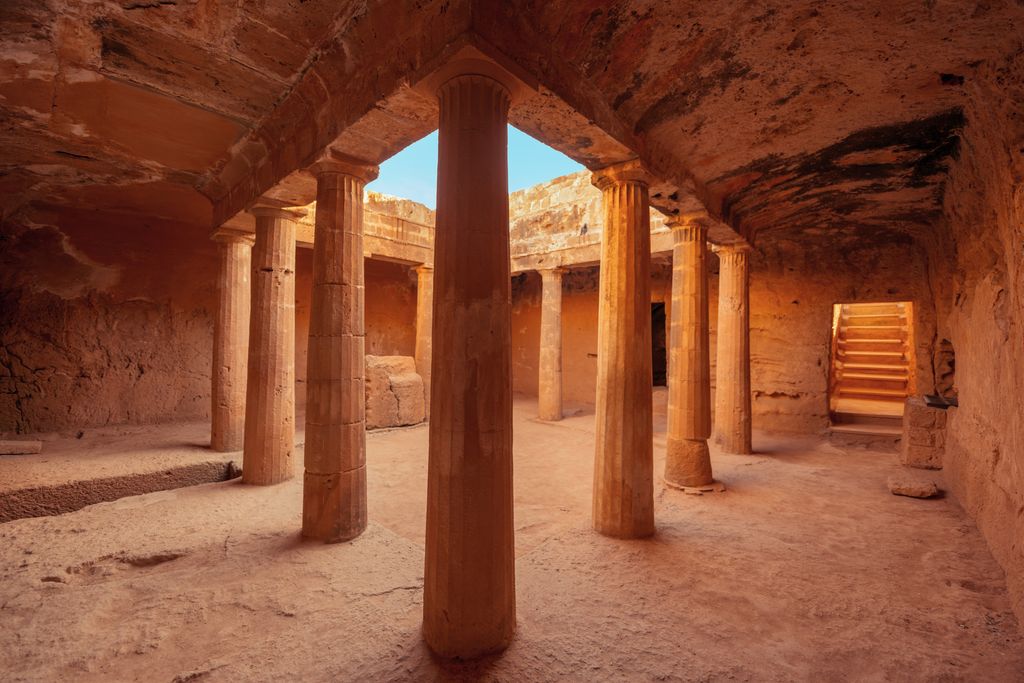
794,119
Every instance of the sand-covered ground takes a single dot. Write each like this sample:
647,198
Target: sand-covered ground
805,569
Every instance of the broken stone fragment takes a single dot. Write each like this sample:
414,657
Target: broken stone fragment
394,392
914,488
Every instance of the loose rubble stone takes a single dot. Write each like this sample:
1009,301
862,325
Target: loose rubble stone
913,488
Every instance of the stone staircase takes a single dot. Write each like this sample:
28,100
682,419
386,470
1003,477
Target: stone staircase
871,369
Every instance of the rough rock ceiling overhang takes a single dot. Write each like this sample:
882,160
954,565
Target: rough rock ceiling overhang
789,118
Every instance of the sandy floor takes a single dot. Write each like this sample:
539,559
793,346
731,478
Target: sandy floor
805,569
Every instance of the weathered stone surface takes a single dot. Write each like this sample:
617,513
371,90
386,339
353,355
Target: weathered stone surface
732,398
269,452
469,595
231,343
900,485
394,392
623,501
687,458
979,278
334,483
20,447
924,435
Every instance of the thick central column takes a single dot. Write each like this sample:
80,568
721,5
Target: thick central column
687,461
424,327
732,395
624,462
231,342
334,484
469,588
270,388
549,381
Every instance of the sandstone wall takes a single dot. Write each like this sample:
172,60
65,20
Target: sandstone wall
579,331
107,319
793,287
390,309
104,319
983,314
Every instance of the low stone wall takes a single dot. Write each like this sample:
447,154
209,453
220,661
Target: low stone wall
394,392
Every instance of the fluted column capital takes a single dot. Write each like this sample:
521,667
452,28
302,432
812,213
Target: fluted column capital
688,228
271,209
332,162
233,236
738,248
632,171
552,272
424,269
476,83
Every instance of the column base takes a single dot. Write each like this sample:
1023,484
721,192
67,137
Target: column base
734,446
713,487
449,645
687,463
641,529
334,505
227,444
262,478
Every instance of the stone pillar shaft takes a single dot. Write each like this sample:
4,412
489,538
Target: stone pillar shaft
469,587
732,395
623,504
424,328
270,389
231,343
334,483
687,461
549,381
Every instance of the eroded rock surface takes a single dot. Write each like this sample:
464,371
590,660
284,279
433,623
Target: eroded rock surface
394,392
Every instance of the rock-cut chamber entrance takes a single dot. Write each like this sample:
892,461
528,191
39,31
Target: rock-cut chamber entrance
870,374
659,346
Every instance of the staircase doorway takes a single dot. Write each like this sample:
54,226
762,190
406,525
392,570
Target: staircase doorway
871,372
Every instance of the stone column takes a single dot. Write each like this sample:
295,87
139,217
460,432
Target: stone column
334,483
732,395
469,587
549,381
624,462
424,328
230,341
270,389
687,461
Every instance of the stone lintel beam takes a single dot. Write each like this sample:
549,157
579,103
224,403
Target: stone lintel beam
376,127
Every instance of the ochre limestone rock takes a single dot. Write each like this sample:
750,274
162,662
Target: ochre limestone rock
394,392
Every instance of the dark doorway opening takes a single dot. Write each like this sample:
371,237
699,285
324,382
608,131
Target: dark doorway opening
659,348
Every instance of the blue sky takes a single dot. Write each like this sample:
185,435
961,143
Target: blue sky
412,173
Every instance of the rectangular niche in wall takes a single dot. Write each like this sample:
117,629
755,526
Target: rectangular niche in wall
872,365
659,346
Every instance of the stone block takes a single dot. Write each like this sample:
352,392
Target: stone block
920,436
394,392
914,488
921,457
924,435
